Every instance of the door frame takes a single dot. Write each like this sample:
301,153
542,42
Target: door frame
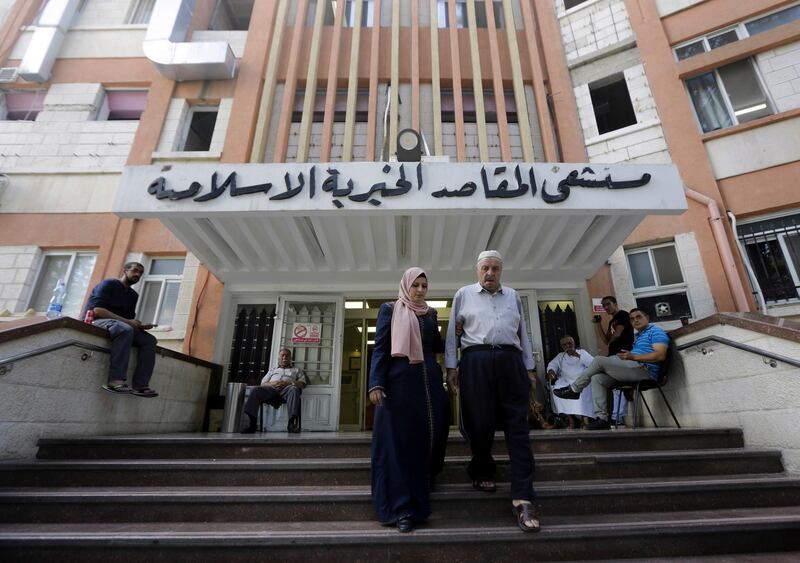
336,353
227,315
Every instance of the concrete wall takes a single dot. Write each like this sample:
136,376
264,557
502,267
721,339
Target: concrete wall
58,395
592,26
17,273
755,149
713,385
65,136
780,68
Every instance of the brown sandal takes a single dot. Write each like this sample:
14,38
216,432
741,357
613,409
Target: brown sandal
526,512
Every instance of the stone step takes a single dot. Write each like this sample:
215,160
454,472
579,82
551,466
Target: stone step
573,537
336,472
281,445
306,504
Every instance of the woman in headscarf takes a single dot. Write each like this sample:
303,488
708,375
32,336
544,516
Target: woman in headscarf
411,417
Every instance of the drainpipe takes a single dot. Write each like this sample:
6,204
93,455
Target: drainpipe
762,304
724,248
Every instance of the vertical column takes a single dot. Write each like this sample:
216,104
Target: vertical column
415,65
310,98
290,87
570,135
539,93
375,51
352,84
270,82
436,86
458,102
519,87
497,82
330,94
244,112
394,97
477,82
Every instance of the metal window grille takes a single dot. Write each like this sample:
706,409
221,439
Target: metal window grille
773,249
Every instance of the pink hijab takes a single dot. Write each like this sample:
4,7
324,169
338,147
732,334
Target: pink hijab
406,337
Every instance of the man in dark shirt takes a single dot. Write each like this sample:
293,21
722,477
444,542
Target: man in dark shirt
618,335
114,304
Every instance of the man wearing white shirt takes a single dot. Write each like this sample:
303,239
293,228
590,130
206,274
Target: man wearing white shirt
493,381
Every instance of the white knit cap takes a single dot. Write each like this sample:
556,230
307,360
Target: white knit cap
489,254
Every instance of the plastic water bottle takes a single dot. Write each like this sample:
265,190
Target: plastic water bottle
57,300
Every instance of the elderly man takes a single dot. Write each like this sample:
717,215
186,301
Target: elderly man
642,362
283,384
494,381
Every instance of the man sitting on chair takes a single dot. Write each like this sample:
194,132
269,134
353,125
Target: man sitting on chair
642,362
282,384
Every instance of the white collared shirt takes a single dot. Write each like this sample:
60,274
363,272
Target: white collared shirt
488,318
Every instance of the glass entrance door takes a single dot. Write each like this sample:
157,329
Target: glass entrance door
356,411
310,326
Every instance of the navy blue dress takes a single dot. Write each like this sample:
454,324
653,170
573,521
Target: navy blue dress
410,430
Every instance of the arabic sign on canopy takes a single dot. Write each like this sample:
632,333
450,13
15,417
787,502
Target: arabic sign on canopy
306,333
329,187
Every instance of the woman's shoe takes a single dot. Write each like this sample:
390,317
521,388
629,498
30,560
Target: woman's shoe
405,524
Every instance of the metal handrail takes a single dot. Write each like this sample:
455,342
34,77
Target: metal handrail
53,348
739,346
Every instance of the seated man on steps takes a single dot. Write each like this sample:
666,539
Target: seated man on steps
643,361
283,384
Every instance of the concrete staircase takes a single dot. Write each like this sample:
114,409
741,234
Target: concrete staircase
604,495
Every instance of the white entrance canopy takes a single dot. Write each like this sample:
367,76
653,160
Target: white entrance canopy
292,225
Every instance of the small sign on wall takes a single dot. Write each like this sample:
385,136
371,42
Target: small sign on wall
306,333
597,306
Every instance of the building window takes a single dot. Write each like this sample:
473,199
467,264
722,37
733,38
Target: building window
23,106
729,95
367,13
75,268
330,12
444,15
160,287
462,20
612,104
200,128
742,30
231,15
340,107
658,283
773,250
123,105
569,4
141,11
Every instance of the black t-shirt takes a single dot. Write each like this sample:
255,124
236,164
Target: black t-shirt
625,341
115,296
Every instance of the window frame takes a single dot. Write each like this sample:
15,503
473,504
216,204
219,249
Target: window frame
616,78
741,32
766,235
163,279
726,98
73,254
187,124
658,288
367,13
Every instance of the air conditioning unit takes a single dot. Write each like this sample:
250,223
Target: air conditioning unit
8,74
